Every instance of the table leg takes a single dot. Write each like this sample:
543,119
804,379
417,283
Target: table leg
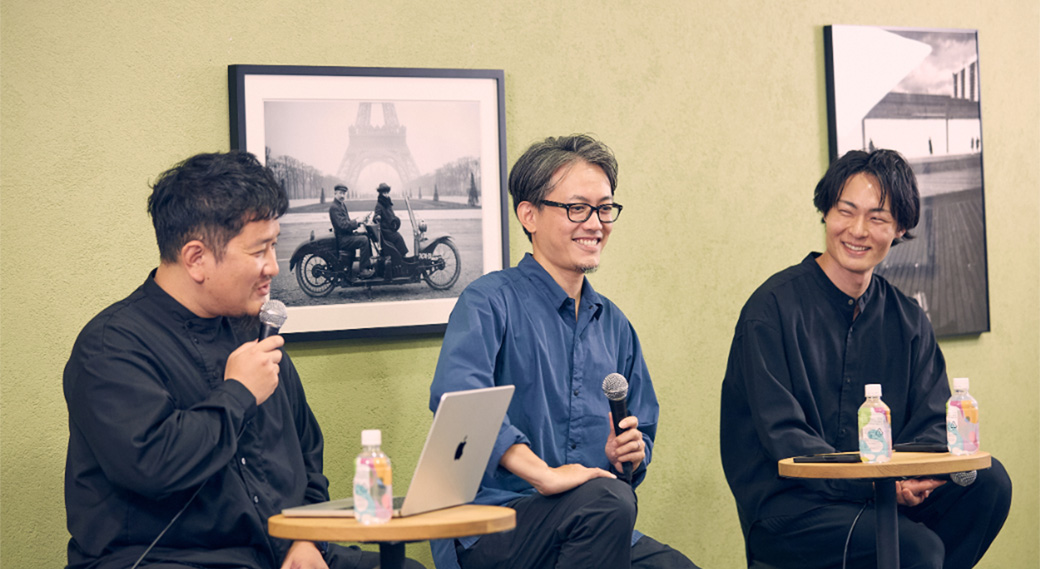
391,554
887,525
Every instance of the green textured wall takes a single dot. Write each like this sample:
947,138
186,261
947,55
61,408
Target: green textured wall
716,111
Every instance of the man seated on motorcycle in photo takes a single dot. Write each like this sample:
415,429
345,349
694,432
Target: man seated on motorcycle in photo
389,223
347,241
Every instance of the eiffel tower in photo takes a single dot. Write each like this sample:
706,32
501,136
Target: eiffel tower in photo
369,144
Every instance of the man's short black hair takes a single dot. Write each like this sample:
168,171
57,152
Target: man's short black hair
531,177
893,173
211,197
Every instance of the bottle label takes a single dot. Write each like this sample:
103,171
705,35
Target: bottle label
962,427
373,490
875,434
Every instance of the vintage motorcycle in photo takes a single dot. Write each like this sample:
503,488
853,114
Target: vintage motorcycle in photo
320,270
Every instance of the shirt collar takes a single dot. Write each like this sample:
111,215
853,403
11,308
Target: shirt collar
834,294
537,274
169,305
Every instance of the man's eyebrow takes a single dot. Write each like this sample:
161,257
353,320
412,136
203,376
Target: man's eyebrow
583,200
266,240
882,209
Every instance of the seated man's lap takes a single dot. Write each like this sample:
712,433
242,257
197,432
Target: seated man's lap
353,557
598,515
839,534
955,521
649,553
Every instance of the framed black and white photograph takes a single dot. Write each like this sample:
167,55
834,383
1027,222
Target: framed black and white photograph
916,91
410,166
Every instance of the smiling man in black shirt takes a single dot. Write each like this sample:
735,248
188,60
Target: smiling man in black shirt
806,343
184,437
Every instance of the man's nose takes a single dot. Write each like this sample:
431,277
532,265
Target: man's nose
271,264
859,226
593,222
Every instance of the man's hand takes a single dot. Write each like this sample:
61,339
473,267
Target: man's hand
629,447
915,490
567,477
523,462
255,365
304,555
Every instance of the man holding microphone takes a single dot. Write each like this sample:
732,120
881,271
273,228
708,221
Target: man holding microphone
541,327
183,436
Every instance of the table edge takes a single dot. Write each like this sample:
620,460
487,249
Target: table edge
348,530
894,469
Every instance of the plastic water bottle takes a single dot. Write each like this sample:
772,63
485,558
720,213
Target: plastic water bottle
373,490
875,427
962,420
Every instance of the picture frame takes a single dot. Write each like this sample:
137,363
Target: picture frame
917,91
434,137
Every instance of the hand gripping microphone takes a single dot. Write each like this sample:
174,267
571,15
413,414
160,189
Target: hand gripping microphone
272,316
615,387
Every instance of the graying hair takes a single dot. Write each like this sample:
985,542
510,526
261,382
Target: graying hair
532,175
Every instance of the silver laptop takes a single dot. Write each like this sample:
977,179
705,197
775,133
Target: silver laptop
453,459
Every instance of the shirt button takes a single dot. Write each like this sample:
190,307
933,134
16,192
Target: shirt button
575,392
256,500
243,461
851,302
573,446
843,432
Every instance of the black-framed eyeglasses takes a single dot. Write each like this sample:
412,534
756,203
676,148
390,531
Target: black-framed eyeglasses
581,212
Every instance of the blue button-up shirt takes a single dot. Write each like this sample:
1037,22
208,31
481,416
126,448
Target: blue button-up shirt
518,327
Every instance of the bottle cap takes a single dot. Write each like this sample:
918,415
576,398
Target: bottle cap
371,438
960,384
872,390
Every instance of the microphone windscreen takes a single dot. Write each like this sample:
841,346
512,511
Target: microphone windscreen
615,386
964,478
273,313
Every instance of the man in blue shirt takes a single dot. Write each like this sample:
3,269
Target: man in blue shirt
541,327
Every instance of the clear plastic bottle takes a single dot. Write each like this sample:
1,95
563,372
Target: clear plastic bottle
373,489
875,427
962,420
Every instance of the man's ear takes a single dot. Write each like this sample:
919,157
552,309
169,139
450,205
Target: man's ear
525,212
193,257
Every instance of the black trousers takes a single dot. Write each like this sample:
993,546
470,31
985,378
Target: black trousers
353,558
337,558
951,530
589,526
348,246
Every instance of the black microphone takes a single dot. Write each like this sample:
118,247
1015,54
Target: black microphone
272,316
615,387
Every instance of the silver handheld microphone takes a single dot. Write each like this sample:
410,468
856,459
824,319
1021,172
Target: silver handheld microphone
272,316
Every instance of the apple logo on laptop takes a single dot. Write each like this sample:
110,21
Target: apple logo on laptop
458,449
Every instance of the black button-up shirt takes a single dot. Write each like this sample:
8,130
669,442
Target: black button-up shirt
795,377
152,420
